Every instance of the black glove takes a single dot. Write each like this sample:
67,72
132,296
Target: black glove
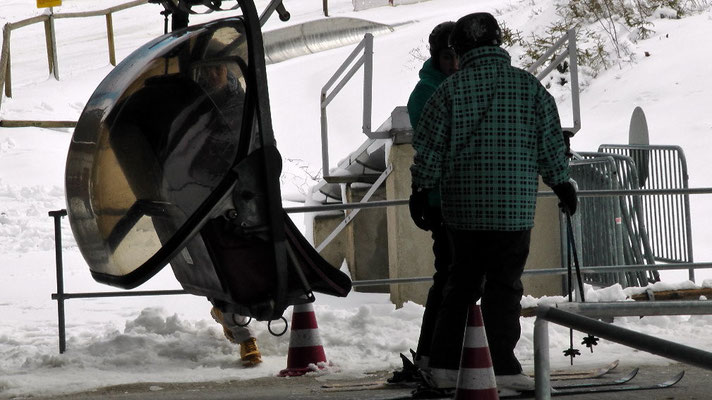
418,205
567,142
568,201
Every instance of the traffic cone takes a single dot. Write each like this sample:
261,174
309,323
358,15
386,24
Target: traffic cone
305,350
476,380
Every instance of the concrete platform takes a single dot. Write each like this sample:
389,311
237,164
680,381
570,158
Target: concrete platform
696,385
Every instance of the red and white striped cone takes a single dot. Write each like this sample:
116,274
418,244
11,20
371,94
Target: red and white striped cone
475,380
306,352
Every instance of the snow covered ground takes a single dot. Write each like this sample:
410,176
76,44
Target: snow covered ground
172,338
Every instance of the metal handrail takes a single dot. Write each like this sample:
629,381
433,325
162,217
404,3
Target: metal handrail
626,337
61,296
350,216
366,60
581,193
570,40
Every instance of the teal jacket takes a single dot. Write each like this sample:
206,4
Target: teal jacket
430,79
484,136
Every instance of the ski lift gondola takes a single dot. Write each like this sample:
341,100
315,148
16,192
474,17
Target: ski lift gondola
173,160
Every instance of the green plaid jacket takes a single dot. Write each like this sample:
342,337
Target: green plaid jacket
484,136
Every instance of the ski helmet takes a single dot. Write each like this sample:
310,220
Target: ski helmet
475,30
439,39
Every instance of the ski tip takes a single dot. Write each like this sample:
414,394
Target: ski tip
675,379
631,374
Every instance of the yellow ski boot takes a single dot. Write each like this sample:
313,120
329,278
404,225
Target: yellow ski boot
218,317
249,353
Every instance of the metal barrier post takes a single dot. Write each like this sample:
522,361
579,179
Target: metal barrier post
57,215
542,388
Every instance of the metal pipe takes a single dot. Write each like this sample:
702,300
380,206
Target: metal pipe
367,83
57,215
344,80
548,54
394,281
551,271
88,295
349,217
573,69
635,308
544,194
324,139
267,12
342,68
636,340
552,66
542,380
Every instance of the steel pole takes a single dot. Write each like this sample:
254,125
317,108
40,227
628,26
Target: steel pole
57,215
542,388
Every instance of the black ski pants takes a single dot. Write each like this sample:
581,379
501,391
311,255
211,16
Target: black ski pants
443,259
486,265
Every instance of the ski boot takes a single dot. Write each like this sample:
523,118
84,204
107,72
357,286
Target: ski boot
249,353
220,319
409,375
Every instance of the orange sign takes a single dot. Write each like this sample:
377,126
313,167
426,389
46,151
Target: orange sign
48,3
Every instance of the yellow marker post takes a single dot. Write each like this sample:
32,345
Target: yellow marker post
48,3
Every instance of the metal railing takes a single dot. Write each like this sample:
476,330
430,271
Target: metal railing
570,51
636,340
567,43
633,229
51,40
351,215
366,60
667,218
61,295
612,267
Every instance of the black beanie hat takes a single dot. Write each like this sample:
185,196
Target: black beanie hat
475,30
439,39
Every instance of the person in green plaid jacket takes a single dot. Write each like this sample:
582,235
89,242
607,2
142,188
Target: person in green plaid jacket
484,137
441,64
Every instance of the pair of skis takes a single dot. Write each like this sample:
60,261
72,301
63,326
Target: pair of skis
556,375
603,386
615,385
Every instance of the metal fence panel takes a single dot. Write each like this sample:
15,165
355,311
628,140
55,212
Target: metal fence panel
667,217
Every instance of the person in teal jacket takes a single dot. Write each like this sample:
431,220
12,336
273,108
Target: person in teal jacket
441,64
483,138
